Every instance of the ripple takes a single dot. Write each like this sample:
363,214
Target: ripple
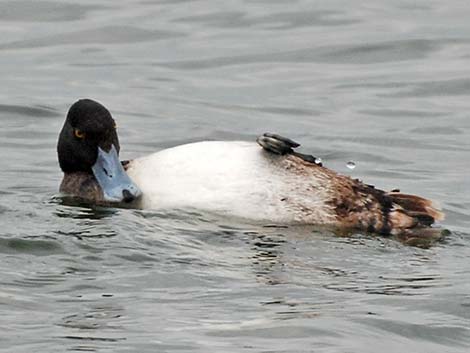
453,87
442,334
358,54
217,19
31,111
82,278
176,2
275,332
408,288
95,317
138,257
280,21
29,246
297,19
43,11
383,52
401,113
105,35
393,140
73,208
95,338
438,130
278,110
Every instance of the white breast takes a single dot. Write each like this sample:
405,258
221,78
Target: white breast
233,178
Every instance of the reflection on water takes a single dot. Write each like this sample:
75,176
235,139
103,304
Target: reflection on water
381,84
79,210
267,258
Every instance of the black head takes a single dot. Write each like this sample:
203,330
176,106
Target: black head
88,125
88,143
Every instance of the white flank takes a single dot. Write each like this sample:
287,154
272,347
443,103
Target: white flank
233,178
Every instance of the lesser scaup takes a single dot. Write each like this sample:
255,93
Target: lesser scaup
237,178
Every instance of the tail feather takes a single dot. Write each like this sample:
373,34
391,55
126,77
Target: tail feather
412,211
417,205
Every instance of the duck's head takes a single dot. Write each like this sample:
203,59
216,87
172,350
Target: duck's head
88,143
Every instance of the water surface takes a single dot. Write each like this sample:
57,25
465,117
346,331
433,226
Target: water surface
384,84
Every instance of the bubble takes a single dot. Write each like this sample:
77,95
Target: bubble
351,165
318,160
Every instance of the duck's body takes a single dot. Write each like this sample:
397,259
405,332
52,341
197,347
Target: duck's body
236,178
241,179
273,183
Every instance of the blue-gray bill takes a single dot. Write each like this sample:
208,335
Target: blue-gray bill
113,179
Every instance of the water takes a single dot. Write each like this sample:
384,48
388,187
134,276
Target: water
385,84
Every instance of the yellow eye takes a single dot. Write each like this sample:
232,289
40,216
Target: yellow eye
79,134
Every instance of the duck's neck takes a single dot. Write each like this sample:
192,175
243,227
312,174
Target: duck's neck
83,185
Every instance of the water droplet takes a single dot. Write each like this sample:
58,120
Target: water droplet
318,160
351,165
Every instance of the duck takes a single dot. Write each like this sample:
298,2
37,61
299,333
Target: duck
263,180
